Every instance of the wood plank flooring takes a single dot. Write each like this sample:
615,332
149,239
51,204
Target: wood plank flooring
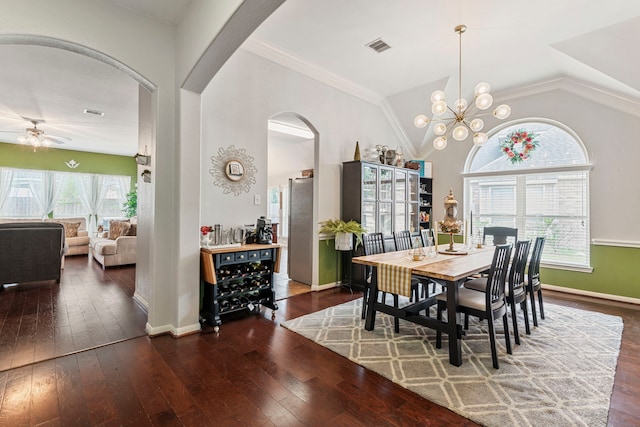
90,307
253,373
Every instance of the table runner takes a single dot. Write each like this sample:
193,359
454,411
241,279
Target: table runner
394,276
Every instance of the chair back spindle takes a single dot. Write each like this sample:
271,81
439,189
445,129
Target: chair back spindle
518,266
534,265
498,275
402,240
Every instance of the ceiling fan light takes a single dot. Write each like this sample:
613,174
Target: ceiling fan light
476,125
440,143
502,111
480,138
439,107
421,121
436,96
484,101
482,87
440,129
460,133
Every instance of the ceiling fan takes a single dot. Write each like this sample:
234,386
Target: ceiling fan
37,137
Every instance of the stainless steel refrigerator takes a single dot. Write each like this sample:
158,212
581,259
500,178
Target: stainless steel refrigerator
300,230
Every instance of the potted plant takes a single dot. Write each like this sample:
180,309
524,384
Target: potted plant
130,207
344,232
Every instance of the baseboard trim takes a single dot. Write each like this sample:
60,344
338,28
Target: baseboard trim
143,303
325,286
170,329
591,294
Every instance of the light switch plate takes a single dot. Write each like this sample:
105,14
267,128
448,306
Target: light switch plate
256,199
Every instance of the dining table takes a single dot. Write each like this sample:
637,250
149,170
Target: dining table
450,269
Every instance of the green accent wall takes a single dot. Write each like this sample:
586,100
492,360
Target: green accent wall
613,273
329,262
47,158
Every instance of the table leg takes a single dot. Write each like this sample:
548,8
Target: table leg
369,324
453,320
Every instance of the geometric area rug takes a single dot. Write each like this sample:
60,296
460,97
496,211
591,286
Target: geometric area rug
561,374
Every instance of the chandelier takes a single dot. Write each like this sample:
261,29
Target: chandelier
463,117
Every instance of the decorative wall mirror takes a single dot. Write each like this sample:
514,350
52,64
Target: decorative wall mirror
233,170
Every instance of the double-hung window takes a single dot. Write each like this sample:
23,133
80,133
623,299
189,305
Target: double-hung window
545,195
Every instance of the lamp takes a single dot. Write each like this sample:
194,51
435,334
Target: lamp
465,117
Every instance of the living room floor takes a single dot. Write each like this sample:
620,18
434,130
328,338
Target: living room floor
252,373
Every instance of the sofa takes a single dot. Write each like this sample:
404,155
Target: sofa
117,246
31,251
76,234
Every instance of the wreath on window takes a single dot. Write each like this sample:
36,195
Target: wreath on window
519,144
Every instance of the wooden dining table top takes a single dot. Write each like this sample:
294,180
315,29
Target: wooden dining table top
445,267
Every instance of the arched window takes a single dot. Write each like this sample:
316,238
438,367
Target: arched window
546,194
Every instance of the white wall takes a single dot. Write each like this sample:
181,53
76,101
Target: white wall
236,106
611,139
287,158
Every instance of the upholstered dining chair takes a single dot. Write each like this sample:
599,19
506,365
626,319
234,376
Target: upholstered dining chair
532,279
500,235
515,290
489,305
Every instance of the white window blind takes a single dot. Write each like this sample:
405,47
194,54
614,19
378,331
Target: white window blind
547,197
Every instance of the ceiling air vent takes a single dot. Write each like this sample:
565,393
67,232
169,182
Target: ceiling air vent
378,45
94,112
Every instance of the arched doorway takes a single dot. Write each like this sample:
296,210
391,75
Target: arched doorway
292,192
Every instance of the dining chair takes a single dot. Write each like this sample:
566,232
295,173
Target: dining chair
515,290
500,235
373,243
532,279
490,305
403,242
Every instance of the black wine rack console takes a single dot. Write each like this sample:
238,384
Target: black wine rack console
236,279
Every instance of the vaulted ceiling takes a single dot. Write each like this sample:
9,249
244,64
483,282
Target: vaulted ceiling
508,44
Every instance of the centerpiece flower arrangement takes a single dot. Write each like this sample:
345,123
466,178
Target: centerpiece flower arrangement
450,226
519,144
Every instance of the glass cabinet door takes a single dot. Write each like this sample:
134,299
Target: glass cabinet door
369,182
414,187
414,217
401,186
386,185
400,223
369,216
385,224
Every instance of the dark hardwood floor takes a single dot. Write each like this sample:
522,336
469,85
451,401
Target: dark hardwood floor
90,307
253,373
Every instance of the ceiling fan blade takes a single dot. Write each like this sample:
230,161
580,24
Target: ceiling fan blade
57,139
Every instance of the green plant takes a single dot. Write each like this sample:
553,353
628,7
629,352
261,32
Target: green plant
130,207
333,226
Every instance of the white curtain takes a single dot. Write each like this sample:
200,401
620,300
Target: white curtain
123,187
6,179
92,190
47,190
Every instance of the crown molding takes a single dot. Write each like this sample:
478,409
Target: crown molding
288,60
617,101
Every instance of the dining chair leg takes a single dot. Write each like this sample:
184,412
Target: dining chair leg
507,340
396,320
439,333
514,318
541,306
365,295
525,310
492,340
532,297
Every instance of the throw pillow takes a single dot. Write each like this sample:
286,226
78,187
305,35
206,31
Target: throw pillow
133,230
118,228
70,228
